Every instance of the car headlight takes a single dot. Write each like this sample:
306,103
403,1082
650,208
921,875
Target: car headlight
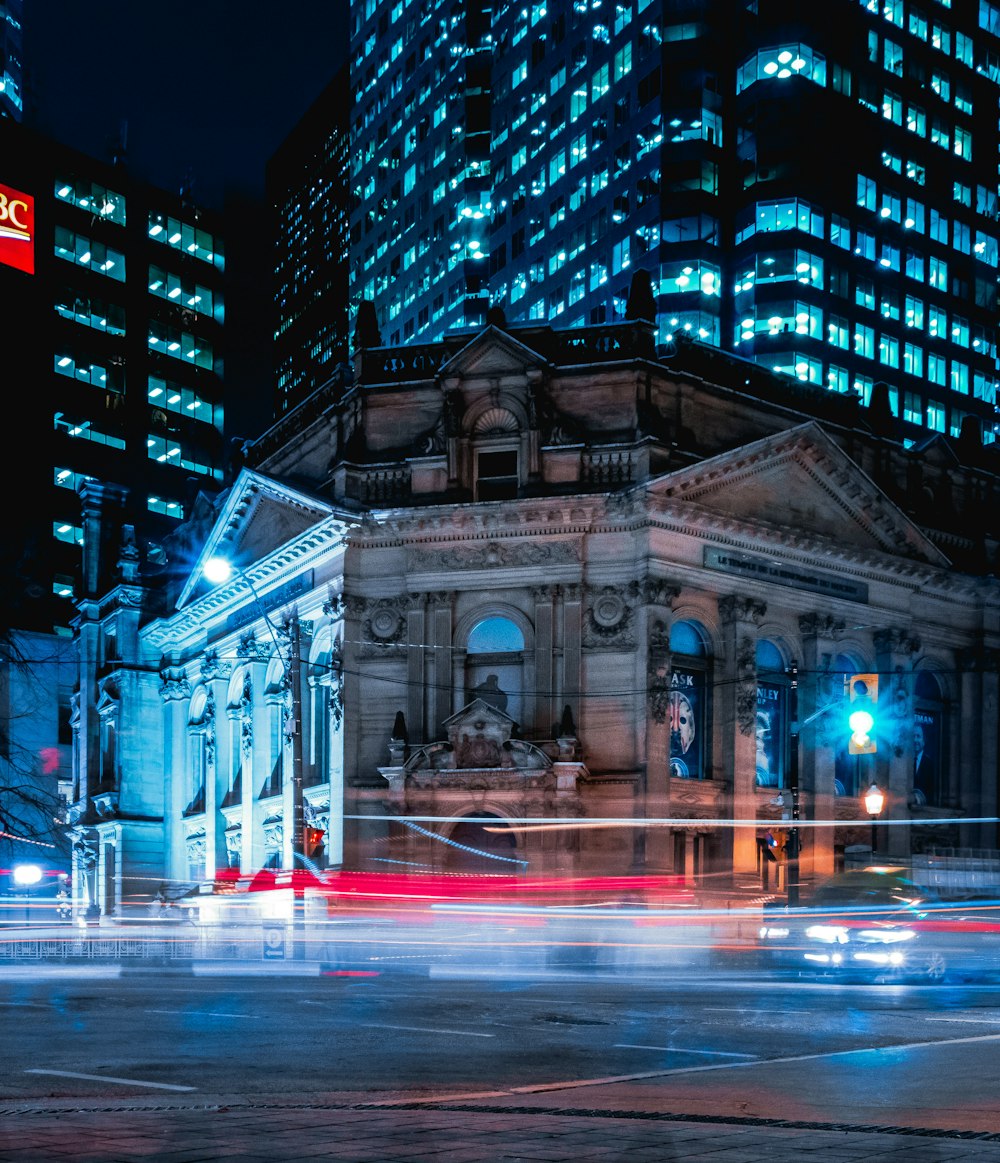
886,936
772,933
830,934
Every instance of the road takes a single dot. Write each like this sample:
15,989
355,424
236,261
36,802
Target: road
704,1044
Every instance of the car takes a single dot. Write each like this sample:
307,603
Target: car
878,925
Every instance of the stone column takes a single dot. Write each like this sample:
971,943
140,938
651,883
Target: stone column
653,677
817,741
736,714
972,752
572,617
894,649
544,712
176,693
442,616
218,754
416,653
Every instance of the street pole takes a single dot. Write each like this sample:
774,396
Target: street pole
874,818
298,804
792,864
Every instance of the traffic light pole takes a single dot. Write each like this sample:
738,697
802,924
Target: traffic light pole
298,803
792,846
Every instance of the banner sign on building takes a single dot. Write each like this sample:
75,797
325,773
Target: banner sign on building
17,229
782,573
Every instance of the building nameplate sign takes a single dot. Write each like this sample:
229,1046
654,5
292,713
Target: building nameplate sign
280,597
783,573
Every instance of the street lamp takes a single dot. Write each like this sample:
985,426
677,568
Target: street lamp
26,876
874,802
217,570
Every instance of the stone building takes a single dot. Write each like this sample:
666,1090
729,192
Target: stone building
547,601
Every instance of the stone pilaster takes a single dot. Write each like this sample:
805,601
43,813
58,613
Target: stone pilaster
653,679
736,718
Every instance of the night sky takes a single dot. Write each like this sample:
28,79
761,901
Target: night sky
207,87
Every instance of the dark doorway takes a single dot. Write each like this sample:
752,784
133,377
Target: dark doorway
480,848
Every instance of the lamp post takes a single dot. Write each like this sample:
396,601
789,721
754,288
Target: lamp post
218,570
26,876
874,802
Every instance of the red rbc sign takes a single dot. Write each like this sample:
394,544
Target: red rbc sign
17,229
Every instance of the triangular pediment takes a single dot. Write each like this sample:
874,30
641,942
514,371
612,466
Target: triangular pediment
257,516
802,485
493,352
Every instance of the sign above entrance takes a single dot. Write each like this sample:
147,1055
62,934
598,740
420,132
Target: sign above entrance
783,573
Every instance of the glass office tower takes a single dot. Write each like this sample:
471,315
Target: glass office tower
811,187
113,295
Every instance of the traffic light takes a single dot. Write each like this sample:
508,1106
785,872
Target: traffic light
863,695
312,839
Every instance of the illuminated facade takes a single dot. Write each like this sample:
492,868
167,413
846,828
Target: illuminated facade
811,187
529,574
113,346
306,196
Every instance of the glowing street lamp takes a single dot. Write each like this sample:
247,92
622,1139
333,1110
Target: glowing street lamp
26,876
874,799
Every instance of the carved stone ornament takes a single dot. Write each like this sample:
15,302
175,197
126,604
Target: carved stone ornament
213,667
609,617
195,847
821,626
479,737
383,626
175,684
895,641
498,554
249,648
246,717
274,834
746,685
658,672
735,608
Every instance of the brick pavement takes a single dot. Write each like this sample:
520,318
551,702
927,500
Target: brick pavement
441,1131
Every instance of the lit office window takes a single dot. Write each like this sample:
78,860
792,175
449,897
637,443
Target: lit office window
959,378
90,311
87,371
94,198
172,452
913,407
935,416
67,478
937,369
185,292
180,344
838,379
85,252
84,430
913,359
174,397
167,507
780,63
190,239
71,534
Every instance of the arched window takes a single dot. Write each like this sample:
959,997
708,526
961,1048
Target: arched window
690,699
317,767
239,713
928,715
494,665
198,724
772,712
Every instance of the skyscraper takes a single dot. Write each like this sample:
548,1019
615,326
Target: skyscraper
305,184
114,320
11,55
811,187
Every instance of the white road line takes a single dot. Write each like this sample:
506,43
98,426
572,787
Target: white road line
973,1021
424,1030
760,1063
684,1050
209,1014
108,1078
742,1010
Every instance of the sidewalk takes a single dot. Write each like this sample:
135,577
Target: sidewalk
501,1127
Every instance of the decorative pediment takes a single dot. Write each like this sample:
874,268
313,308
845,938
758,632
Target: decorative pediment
801,484
257,516
492,352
